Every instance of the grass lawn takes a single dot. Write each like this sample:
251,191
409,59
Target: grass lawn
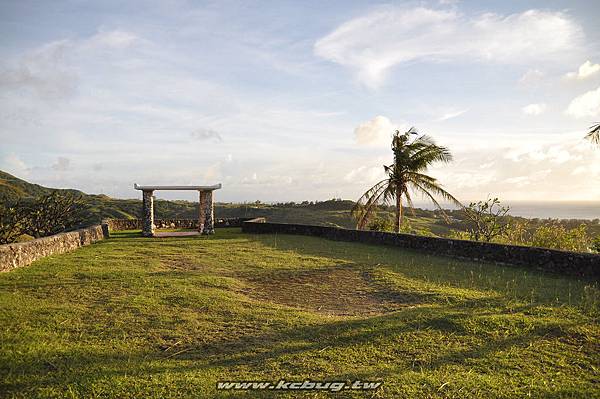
137,317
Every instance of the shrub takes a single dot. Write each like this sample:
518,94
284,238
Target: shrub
487,219
558,237
380,223
40,217
11,223
595,244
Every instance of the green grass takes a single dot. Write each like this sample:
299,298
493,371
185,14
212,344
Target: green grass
136,317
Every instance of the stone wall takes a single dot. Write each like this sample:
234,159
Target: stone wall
570,263
136,224
23,253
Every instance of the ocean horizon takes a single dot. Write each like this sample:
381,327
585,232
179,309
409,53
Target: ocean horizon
544,209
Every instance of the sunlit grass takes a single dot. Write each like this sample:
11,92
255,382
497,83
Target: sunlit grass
136,317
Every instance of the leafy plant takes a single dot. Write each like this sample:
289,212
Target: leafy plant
595,244
12,225
558,237
517,232
412,156
487,219
53,213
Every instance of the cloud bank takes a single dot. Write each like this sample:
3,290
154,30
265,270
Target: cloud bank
372,44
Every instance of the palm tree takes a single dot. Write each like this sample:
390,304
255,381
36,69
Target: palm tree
412,156
594,134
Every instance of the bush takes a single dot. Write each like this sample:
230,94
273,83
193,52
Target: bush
381,224
487,220
558,237
11,223
40,217
595,244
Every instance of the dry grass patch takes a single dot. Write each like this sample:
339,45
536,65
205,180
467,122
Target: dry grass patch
338,291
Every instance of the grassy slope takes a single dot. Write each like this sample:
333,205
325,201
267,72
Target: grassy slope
133,317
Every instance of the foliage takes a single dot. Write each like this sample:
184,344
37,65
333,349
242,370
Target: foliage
40,217
11,223
380,223
412,156
595,244
487,220
517,232
459,235
53,213
594,134
558,237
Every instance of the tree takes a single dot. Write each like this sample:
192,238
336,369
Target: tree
52,214
12,223
412,156
594,134
487,220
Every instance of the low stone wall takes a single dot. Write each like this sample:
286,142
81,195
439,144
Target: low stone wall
550,260
136,224
24,253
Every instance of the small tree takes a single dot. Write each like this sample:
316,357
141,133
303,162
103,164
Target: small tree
12,223
486,219
517,233
52,214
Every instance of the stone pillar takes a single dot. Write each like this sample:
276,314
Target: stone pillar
201,209
148,213
209,213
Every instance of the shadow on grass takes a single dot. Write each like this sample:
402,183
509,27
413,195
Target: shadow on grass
414,333
512,282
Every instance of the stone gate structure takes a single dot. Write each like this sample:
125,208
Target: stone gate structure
206,223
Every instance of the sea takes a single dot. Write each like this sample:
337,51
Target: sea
546,210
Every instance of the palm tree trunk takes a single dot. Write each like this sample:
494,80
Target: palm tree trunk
398,221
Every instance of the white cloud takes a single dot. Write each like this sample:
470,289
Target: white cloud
61,164
534,109
365,175
372,44
452,114
532,76
375,131
114,39
15,165
585,105
42,71
522,181
49,72
206,134
586,70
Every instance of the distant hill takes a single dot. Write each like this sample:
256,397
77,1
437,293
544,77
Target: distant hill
99,206
13,188
334,212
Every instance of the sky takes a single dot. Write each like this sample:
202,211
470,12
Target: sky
290,101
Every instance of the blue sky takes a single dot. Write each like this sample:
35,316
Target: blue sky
297,100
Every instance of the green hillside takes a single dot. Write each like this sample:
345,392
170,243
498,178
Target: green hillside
334,212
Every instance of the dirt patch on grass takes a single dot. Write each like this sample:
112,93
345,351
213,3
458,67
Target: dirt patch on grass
180,263
340,291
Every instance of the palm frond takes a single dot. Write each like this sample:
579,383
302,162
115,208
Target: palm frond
432,198
367,203
594,134
431,184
